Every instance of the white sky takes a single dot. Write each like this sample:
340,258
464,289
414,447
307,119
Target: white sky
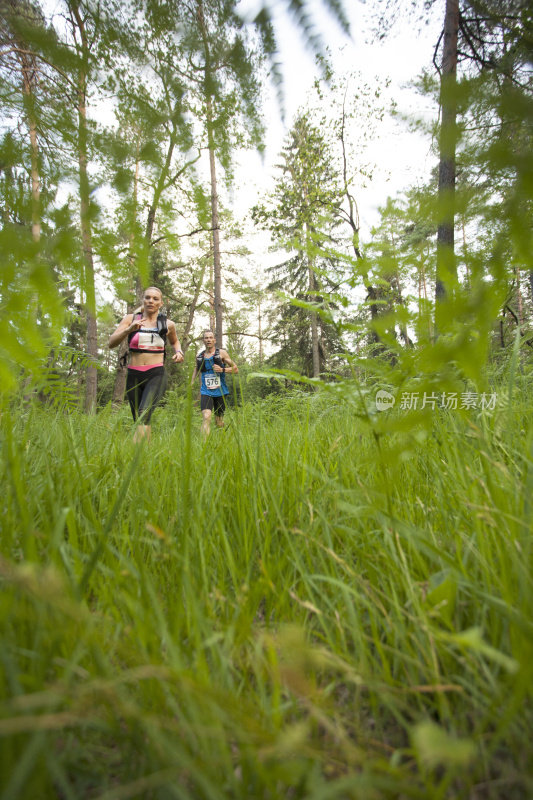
401,157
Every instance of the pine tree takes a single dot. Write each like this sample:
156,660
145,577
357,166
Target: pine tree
300,220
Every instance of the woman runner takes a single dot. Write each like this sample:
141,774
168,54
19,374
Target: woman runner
147,379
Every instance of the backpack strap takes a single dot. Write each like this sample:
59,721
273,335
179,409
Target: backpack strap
162,326
162,329
200,358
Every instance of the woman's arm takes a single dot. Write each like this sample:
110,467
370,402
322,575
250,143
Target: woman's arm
125,327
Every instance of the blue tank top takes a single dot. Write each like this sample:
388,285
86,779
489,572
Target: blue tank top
208,375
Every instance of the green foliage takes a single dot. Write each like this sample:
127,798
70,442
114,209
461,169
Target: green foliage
330,597
300,218
31,310
287,608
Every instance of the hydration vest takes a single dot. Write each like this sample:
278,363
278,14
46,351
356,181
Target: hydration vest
162,330
200,359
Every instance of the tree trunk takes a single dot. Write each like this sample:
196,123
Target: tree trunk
86,235
211,294
217,283
314,320
260,332
83,50
372,294
353,222
446,267
28,65
119,387
465,255
519,299
403,328
217,270
159,188
29,69
29,79
186,336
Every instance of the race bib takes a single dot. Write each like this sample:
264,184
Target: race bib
212,382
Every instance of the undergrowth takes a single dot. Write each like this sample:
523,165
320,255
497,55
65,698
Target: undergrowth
317,602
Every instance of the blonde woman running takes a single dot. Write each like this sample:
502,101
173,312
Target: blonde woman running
147,331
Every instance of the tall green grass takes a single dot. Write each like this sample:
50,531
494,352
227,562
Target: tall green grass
317,602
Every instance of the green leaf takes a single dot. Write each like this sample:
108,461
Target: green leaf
436,747
472,639
442,595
